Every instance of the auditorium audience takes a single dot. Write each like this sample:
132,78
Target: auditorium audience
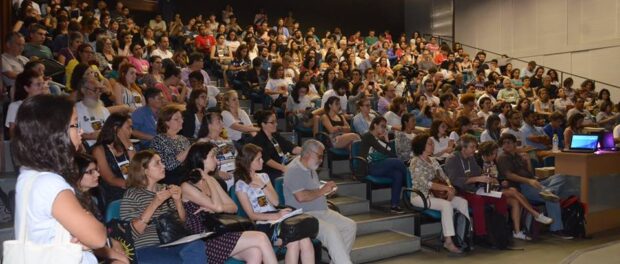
129,90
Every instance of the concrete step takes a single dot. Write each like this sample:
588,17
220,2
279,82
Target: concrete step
350,205
377,220
349,187
381,245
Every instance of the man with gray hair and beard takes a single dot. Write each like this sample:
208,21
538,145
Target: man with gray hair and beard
302,189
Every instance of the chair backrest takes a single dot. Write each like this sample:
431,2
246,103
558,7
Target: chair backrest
408,184
113,211
355,151
233,196
279,186
290,136
549,161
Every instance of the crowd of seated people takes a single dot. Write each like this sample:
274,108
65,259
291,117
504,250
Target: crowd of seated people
150,110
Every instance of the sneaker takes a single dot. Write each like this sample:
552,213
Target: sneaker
541,218
396,210
549,196
521,235
560,234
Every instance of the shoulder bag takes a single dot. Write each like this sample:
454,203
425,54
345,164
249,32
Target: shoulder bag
22,251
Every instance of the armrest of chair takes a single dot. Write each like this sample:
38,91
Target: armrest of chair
323,138
361,170
407,202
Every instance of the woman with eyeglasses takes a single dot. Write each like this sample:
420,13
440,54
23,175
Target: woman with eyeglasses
171,146
362,120
46,139
382,160
27,84
277,151
87,180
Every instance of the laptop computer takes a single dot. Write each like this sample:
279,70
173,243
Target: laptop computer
606,141
583,143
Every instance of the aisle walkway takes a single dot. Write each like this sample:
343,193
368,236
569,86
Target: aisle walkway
546,250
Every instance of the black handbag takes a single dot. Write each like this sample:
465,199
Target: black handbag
298,227
169,227
224,223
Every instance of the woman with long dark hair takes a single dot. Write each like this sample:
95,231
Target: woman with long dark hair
46,139
202,192
259,200
492,129
194,112
211,130
382,160
89,179
113,151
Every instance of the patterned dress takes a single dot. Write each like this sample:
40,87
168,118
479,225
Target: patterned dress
219,247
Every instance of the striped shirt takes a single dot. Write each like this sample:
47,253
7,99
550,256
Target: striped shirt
134,202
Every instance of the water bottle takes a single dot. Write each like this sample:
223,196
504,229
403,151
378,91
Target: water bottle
487,172
555,143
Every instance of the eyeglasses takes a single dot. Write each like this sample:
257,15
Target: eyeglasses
76,125
318,155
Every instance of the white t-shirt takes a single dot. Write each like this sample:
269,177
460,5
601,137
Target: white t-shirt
40,224
485,136
441,145
517,133
212,91
88,119
330,93
392,119
274,84
229,120
163,54
484,115
617,131
11,113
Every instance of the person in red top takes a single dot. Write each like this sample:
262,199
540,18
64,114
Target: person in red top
204,41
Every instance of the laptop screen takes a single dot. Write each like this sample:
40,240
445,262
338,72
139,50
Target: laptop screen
607,140
584,142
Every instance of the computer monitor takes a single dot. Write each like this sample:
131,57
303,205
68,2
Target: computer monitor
584,142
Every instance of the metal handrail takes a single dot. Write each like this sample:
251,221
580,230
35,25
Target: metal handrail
442,38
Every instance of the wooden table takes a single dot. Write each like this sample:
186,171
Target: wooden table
588,166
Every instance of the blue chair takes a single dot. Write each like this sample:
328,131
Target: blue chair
359,168
113,211
549,161
279,186
333,154
295,124
233,196
423,215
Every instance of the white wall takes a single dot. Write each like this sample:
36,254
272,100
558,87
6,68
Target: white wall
576,36
432,17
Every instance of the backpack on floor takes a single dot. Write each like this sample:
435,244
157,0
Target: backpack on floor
573,217
498,230
463,232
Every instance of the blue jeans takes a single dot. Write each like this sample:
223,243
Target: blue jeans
193,252
390,168
553,208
